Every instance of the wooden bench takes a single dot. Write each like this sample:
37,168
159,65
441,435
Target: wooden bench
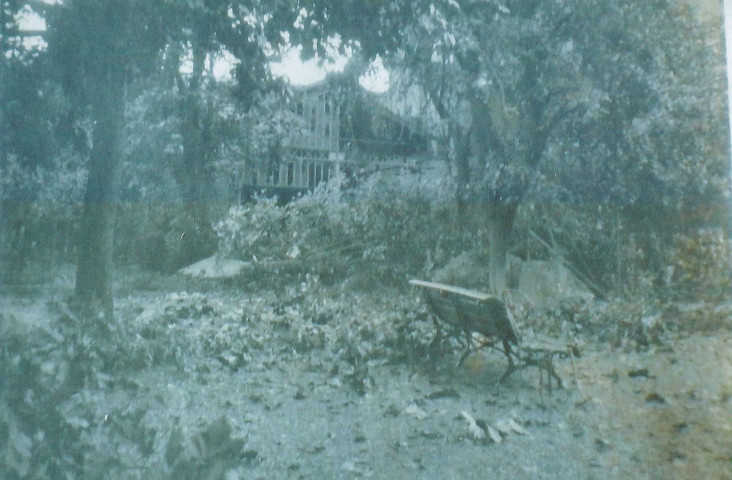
469,311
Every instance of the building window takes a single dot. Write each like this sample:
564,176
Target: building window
312,120
327,130
299,108
327,107
318,173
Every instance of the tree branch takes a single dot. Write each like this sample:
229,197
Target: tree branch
592,286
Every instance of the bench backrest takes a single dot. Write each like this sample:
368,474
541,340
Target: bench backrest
470,310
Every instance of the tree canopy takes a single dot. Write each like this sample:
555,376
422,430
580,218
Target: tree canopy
609,104
560,101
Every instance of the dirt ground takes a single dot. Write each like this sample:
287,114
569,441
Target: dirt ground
296,400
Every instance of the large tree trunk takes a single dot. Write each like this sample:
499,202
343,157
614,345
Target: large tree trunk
197,114
96,242
500,219
499,211
461,159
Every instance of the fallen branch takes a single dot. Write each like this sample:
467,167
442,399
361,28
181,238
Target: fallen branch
586,281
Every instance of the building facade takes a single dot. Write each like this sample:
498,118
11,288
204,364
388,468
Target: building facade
307,157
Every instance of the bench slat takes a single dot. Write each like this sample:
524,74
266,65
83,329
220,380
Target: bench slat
446,310
449,288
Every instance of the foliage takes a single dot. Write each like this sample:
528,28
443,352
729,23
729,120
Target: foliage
41,369
47,413
213,454
36,117
43,141
599,99
151,146
592,239
385,225
64,405
702,265
608,106
608,251
100,47
202,329
40,207
163,236
612,112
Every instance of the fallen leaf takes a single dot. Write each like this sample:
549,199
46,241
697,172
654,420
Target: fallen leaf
655,398
493,433
638,372
415,411
504,427
447,393
392,411
517,428
601,444
680,427
358,467
476,432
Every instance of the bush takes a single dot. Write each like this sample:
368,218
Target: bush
387,226
164,237
702,266
39,209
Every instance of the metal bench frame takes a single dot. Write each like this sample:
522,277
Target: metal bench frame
469,311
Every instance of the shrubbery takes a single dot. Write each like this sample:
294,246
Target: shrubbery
391,226
702,265
163,237
39,209
386,226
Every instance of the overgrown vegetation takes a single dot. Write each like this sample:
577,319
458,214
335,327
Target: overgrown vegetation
53,429
385,228
590,135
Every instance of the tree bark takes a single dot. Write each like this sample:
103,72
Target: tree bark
461,158
499,212
500,219
96,242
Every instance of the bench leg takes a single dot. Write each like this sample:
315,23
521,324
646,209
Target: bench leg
511,368
507,351
438,334
553,373
545,364
434,348
466,353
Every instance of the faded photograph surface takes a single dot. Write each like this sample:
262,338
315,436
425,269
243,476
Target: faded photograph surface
388,239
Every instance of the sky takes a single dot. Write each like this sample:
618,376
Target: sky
298,72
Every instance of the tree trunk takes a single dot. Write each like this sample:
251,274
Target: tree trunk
96,242
461,159
500,219
197,114
499,212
